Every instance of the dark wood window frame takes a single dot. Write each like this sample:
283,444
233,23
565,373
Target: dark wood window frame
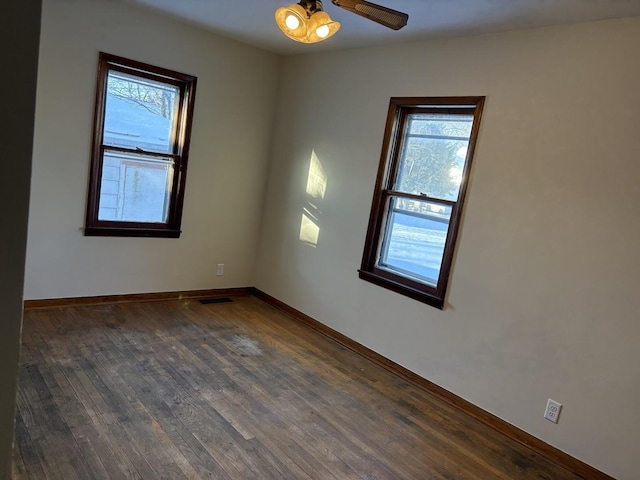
371,271
179,150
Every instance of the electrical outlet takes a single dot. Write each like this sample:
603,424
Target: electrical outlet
220,269
552,412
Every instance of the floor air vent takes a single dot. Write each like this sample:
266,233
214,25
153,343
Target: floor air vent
207,301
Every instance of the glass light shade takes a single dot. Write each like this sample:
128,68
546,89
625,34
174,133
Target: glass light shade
292,16
321,27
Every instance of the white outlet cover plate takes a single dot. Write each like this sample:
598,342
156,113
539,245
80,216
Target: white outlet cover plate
552,412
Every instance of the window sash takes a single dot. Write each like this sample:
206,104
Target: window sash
414,224
124,173
173,142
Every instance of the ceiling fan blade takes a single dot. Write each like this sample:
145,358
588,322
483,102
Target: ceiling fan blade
382,15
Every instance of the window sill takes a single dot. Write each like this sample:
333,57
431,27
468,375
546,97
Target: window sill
130,232
402,289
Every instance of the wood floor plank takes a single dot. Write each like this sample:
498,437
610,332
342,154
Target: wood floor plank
19,469
180,390
92,457
27,454
161,399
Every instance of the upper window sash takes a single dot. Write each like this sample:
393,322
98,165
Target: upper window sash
119,83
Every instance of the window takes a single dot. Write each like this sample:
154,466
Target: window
417,202
140,149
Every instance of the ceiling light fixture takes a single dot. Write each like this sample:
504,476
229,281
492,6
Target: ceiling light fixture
306,22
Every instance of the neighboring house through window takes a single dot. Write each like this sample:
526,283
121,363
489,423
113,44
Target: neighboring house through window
417,203
140,149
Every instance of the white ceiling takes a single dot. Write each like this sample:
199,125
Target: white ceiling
252,21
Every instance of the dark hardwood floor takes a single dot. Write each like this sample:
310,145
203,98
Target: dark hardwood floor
177,389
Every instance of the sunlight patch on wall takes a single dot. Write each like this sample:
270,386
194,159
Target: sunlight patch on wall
309,231
317,179
316,189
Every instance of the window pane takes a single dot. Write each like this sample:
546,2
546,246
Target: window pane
135,188
414,239
433,154
139,113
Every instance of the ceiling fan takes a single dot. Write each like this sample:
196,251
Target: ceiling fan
307,22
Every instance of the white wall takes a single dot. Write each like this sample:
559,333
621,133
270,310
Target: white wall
19,39
227,164
543,300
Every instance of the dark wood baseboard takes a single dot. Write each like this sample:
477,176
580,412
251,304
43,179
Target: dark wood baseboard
135,297
551,453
